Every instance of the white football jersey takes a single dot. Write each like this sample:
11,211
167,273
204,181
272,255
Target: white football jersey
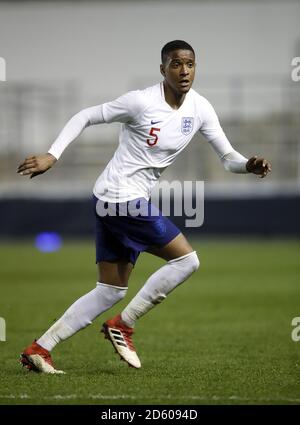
152,134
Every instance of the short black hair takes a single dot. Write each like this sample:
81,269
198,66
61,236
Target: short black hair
174,45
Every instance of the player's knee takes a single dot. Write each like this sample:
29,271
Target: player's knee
194,261
122,293
185,265
119,291
189,262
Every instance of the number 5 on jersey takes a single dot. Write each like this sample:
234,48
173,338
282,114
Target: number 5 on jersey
152,142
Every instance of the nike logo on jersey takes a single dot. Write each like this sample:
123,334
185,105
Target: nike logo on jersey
154,122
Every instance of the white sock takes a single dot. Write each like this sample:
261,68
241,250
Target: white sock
159,285
82,313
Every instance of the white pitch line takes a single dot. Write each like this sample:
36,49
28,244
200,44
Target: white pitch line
163,397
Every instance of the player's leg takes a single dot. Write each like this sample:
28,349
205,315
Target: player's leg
80,314
178,247
116,273
119,334
182,261
111,288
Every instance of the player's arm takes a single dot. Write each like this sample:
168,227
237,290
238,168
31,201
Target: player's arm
39,164
231,159
124,109
235,162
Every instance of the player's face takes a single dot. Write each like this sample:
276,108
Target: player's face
179,70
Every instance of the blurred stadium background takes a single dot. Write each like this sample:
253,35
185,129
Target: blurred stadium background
63,56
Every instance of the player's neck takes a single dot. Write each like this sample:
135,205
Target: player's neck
173,99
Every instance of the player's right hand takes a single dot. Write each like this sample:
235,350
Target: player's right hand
35,165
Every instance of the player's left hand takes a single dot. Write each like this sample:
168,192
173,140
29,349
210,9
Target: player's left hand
259,166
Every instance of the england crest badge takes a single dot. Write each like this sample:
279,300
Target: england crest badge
187,124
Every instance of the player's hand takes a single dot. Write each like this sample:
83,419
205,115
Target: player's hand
35,165
259,166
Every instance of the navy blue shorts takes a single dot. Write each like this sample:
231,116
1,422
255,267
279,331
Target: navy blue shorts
122,236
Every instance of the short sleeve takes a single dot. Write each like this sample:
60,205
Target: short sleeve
123,109
210,128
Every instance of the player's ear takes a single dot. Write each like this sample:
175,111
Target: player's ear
162,70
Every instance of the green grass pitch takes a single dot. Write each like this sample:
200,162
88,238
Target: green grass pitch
223,337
